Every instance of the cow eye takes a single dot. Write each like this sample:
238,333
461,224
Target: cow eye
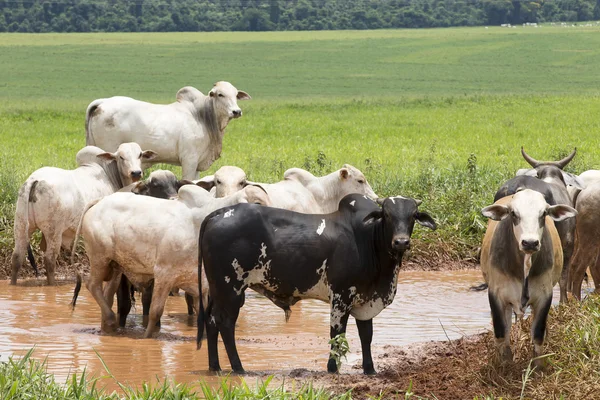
122,158
218,182
361,181
221,95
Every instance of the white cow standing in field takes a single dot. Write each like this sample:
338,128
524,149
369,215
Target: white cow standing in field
148,238
53,199
300,190
188,132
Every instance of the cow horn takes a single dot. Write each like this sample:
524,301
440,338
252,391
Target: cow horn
532,161
380,200
563,163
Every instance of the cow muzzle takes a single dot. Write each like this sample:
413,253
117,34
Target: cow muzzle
136,175
530,246
401,243
236,113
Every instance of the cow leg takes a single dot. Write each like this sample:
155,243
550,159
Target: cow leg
110,289
338,321
123,300
146,301
226,320
160,294
595,271
189,169
212,337
189,300
365,332
50,255
584,256
502,320
94,285
564,276
540,308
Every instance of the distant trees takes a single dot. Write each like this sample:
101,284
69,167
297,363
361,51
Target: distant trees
266,15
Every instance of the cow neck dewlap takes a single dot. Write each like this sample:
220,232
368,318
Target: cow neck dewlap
207,114
526,265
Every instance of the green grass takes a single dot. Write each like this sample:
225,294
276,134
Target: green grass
26,378
438,114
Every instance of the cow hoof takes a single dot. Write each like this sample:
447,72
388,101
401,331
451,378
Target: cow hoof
332,367
369,370
109,327
240,371
214,368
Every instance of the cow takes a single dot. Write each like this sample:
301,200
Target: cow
548,178
587,178
349,258
521,261
162,184
52,199
299,191
148,239
188,132
587,234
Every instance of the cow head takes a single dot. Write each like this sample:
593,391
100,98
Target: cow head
354,181
398,215
227,180
225,97
161,184
129,158
527,211
552,171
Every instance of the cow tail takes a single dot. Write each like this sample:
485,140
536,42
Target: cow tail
21,227
78,231
479,288
202,313
89,138
76,291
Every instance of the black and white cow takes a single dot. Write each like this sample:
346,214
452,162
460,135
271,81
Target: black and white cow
349,258
548,178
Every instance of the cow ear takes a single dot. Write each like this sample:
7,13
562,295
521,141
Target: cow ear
140,188
527,172
373,216
425,219
148,155
188,93
241,95
497,212
561,212
573,180
106,156
183,182
419,202
207,182
344,173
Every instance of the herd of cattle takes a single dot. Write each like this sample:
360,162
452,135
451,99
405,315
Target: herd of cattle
329,238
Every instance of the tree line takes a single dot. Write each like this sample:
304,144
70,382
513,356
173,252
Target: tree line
267,15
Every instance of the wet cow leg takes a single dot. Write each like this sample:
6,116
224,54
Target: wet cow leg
189,300
146,302
212,337
540,311
365,332
502,320
226,320
338,322
160,293
123,300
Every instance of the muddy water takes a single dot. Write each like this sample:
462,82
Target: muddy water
428,306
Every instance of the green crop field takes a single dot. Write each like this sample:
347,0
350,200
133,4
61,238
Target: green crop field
438,114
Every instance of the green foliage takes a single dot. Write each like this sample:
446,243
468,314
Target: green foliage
266,15
339,348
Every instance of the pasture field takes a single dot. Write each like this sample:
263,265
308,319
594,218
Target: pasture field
437,114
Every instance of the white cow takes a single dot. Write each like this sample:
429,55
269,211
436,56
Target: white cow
188,132
53,199
300,190
150,238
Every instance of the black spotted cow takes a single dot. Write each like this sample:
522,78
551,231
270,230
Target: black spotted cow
349,258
